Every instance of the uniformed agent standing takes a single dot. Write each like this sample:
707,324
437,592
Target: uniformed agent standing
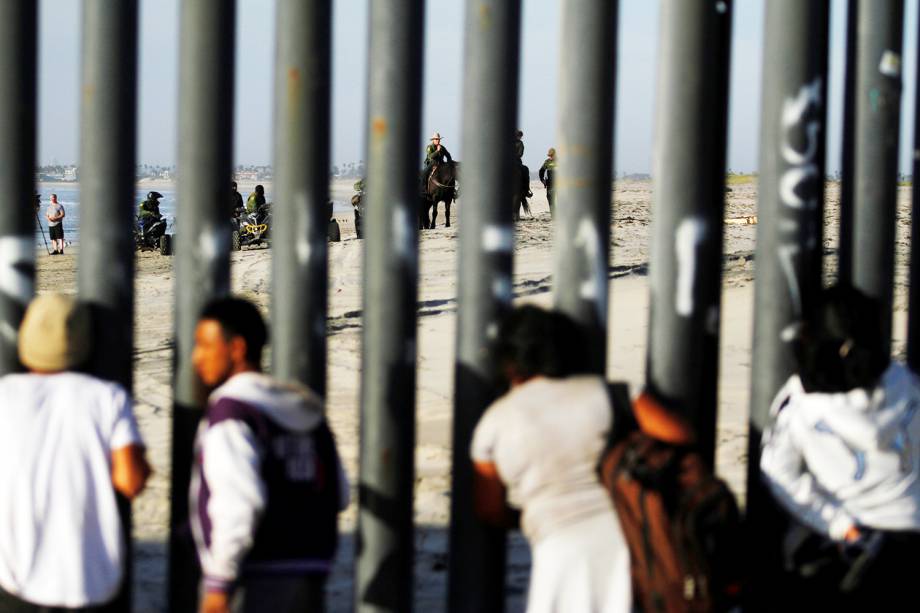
547,170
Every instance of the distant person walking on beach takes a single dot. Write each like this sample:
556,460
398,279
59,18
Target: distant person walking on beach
55,216
267,484
68,443
536,450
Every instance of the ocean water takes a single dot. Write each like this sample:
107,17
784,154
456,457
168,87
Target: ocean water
69,197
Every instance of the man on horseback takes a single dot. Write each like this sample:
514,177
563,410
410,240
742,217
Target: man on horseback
435,153
519,146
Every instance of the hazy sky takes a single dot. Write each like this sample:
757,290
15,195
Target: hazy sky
59,53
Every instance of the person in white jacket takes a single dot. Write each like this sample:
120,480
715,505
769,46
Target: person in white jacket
841,455
267,483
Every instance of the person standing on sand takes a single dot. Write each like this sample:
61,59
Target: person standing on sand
267,484
55,216
547,170
535,454
68,443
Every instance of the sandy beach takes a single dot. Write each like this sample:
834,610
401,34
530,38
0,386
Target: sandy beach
251,271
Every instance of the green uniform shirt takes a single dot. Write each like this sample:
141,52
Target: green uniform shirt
547,170
150,208
254,202
429,152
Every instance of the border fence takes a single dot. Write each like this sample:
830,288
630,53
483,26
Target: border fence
687,212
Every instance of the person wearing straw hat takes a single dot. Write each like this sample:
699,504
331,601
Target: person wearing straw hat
69,444
435,153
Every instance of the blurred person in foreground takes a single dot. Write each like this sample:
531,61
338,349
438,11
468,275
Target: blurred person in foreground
68,443
842,457
267,484
535,452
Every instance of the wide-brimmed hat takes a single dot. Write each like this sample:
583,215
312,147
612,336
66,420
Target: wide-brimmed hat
55,334
436,135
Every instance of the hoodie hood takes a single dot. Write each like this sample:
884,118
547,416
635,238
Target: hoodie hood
287,403
867,419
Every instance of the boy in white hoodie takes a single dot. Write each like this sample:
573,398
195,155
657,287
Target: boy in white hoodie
842,453
267,483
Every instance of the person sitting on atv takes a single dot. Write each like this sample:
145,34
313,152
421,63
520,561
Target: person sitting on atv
256,200
150,210
236,201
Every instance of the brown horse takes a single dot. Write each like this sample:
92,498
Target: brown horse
440,187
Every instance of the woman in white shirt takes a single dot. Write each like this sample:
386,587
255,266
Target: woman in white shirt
535,451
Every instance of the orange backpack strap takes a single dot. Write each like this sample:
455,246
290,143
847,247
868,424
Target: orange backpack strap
660,423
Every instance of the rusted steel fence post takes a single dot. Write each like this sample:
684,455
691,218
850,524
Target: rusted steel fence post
300,258
688,201
845,239
581,240
387,462
203,242
477,552
875,182
790,216
913,325
105,275
18,85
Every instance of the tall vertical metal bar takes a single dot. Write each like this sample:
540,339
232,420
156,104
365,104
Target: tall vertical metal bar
300,262
688,201
878,106
790,217
18,93
477,552
203,241
105,275
848,154
581,242
913,320
387,462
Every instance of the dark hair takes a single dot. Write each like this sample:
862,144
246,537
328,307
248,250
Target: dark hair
238,317
840,346
260,189
532,341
